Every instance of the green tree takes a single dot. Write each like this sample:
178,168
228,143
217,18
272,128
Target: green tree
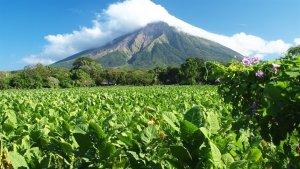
4,80
52,82
63,75
169,76
4,83
213,72
88,65
31,77
117,76
294,51
139,77
92,69
82,79
190,71
156,71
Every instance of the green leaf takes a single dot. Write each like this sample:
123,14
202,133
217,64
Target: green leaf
66,147
227,159
254,154
25,142
181,153
149,134
162,151
242,164
216,155
83,141
96,131
106,150
187,130
12,118
133,154
66,126
193,116
171,119
150,109
17,160
134,159
125,139
212,120
293,74
273,91
119,164
205,132
11,121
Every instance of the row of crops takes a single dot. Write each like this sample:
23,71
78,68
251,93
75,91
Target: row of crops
128,127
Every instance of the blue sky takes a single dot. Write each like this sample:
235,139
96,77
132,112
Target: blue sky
25,24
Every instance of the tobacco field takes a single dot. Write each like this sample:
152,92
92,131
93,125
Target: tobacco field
128,127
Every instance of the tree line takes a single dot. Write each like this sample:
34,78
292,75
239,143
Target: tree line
88,73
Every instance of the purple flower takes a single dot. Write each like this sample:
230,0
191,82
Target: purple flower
254,60
254,108
275,66
259,73
247,61
218,80
290,166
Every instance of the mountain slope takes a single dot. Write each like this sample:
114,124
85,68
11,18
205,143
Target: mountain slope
157,44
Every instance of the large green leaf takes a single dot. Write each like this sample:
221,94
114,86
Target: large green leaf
124,139
181,153
187,130
212,120
83,140
227,159
194,116
148,134
11,121
171,119
17,160
25,142
293,74
273,91
205,132
106,150
216,155
254,154
66,147
96,131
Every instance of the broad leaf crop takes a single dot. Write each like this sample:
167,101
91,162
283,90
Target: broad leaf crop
130,127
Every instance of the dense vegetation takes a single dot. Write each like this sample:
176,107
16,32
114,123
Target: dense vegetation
266,93
251,120
265,98
88,73
131,127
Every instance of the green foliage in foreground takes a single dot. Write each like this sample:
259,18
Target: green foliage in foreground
128,127
266,97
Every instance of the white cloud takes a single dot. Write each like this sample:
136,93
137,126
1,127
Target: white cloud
35,59
123,17
297,41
